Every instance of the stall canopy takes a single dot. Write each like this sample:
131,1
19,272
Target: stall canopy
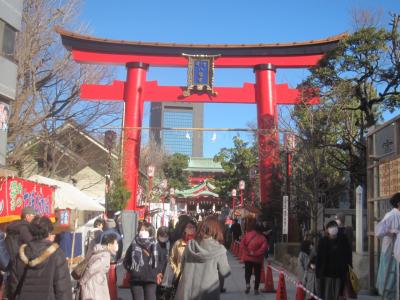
68,196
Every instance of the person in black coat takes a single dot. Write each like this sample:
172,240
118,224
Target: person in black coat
144,262
18,233
236,230
333,260
42,269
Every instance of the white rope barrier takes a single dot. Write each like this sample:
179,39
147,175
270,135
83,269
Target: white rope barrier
295,282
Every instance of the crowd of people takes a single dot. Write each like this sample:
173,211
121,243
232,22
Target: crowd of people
188,261
184,262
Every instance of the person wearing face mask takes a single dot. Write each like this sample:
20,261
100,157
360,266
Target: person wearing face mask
179,247
144,262
164,247
332,264
94,284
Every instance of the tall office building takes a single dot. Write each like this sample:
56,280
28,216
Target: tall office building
10,24
178,115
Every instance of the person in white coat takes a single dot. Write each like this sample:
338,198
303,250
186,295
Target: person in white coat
94,284
387,229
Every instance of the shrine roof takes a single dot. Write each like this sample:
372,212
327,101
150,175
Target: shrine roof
204,189
72,40
203,164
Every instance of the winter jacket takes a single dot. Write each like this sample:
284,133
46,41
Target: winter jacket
177,255
302,264
146,273
4,255
333,257
253,246
46,272
94,284
17,234
203,262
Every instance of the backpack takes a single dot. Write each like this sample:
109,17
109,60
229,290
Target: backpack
4,254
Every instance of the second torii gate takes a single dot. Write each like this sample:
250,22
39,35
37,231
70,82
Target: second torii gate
264,59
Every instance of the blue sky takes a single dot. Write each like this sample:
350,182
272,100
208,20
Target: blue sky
223,21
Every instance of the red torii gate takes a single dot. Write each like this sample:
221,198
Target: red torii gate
265,59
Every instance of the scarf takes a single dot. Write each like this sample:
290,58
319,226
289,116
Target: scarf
138,244
188,237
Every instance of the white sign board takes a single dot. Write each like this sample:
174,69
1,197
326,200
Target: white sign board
285,215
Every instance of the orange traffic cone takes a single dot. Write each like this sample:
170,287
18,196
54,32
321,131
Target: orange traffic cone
300,294
262,275
269,281
281,290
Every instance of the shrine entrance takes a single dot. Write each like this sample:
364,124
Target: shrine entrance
264,59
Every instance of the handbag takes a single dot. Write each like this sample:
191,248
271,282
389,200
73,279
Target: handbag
79,269
168,277
355,283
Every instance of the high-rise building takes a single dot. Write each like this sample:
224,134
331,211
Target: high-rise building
10,24
177,115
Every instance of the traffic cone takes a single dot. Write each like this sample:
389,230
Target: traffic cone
300,294
269,281
281,290
262,274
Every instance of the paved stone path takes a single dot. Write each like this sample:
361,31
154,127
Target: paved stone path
235,286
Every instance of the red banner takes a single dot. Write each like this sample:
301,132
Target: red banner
16,193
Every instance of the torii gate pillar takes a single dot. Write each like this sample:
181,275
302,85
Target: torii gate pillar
133,97
268,135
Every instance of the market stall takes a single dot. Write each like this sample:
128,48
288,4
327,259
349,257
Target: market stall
16,193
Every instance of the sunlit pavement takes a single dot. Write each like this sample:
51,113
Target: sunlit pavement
235,286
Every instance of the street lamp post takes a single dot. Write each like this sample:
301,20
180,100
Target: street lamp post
109,142
242,185
164,185
171,201
150,175
233,200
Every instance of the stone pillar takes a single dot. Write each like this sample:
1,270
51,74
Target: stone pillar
359,219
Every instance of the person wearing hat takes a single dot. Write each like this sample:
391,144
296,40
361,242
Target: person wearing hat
18,233
332,264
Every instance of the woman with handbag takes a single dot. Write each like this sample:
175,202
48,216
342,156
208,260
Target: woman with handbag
253,245
144,263
94,282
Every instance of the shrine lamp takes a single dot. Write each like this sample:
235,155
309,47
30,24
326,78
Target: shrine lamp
242,186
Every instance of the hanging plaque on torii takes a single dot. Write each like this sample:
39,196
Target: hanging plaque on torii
200,74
